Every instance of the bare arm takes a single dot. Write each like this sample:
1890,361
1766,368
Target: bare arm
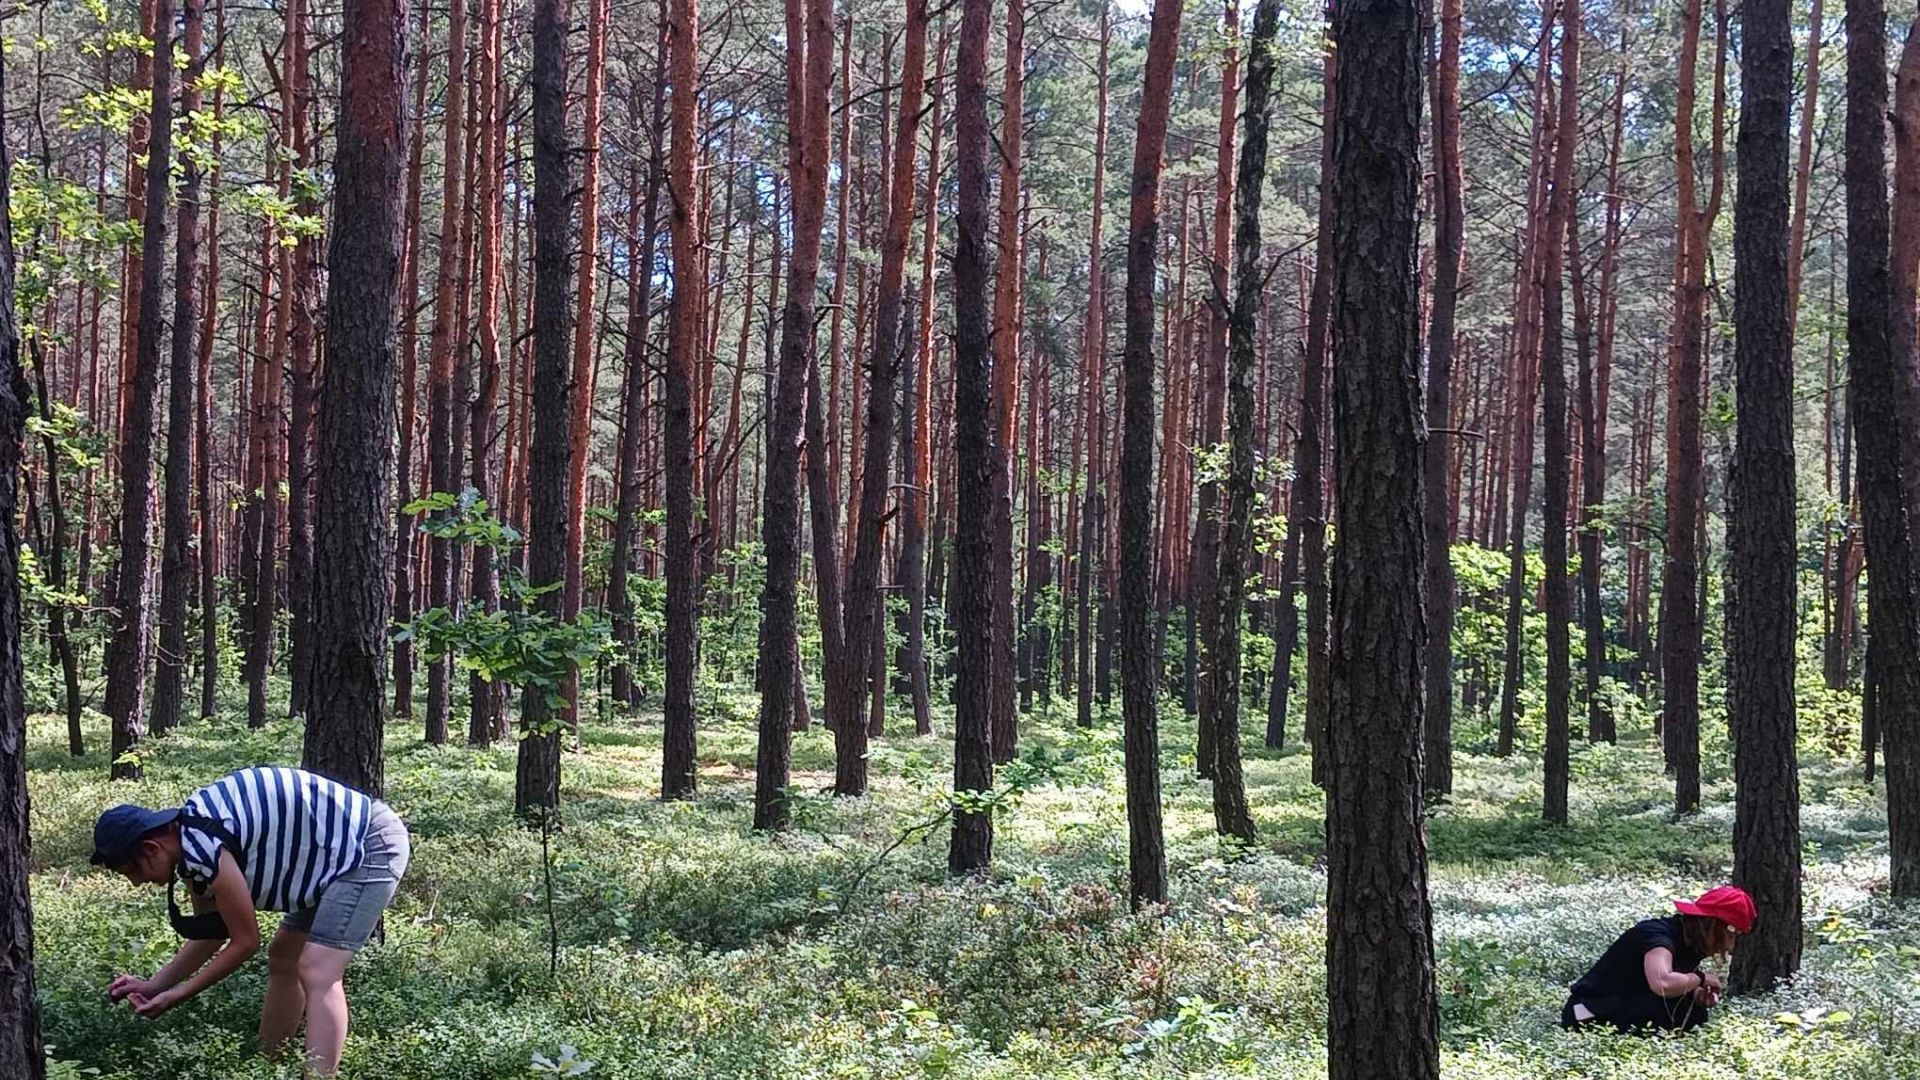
235,904
1666,982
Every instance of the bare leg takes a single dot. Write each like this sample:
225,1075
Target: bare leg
286,1000
323,971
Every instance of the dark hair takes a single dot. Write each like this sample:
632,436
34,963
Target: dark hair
1704,934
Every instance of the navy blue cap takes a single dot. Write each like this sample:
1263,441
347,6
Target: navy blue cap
117,835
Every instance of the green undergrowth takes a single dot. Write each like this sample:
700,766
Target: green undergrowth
690,947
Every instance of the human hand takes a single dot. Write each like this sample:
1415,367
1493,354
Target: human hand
152,1007
128,985
1711,982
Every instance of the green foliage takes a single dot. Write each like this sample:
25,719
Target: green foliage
518,643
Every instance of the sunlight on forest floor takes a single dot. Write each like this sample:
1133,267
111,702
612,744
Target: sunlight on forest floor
691,948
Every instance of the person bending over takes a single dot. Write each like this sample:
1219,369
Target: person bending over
263,839
1650,978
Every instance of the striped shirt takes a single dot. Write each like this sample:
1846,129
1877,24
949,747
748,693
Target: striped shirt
297,833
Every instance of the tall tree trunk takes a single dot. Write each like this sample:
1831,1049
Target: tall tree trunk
1231,815
677,771
300,345
1203,559
1382,1005
1880,357
1094,342
406,539
537,777
864,603
809,74
633,389
1449,226
1146,846
176,554
1309,486
1558,446
1680,637
21,1052
129,648
486,699
1595,393
443,468
1006,379
584,338
970,849
353,506
1761,534
917,444
1526,386
203,420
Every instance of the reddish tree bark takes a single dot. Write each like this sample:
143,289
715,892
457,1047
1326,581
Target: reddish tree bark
443,466
353,508
1449,228
1146,846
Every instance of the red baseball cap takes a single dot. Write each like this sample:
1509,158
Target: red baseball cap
1728,903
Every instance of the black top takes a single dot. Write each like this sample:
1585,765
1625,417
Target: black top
1621,971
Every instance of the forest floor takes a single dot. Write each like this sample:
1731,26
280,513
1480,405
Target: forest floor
689,947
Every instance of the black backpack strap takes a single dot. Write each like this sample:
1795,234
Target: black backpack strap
219,831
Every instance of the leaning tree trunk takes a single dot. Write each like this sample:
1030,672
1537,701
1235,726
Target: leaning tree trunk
1762,537
1382,1005
970,849
537,778
127,651
176,556
21,1053
353,508
1146,844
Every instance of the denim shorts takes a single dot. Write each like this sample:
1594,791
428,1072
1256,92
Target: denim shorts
350,907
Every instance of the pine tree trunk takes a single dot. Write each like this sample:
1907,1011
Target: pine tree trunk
203,423
353,505
1761,533
809,73
1203,559
863,601
916,446
406,539
1309,458
1382,1005
970,608
1680,592
1094,386
1231,816
129,648
537,777
176,555
633,390
486,698
1007,338
1880,354
1146,846
584,338
300,410
1558,446
21,1052
677,775
443,467
1449,227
